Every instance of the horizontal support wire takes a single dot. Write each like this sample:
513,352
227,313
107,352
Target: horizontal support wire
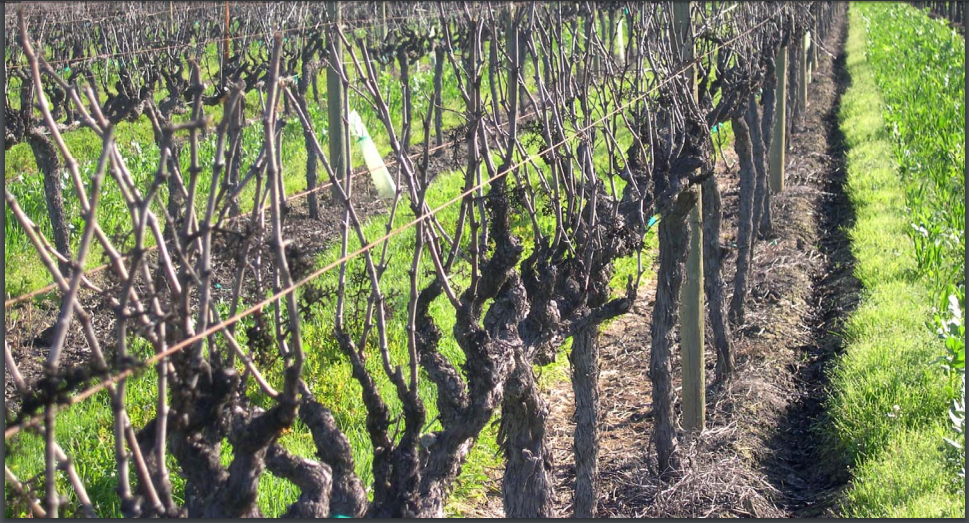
87,393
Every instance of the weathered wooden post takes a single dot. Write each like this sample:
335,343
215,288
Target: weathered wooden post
225,41
778,146
804,78
591,33
225,45
383,30
815,40
336,101
691,297
808,63
823,23
633,35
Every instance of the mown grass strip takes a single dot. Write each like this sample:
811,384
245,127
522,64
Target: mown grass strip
888,397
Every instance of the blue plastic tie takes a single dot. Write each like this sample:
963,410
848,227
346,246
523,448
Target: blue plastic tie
652,221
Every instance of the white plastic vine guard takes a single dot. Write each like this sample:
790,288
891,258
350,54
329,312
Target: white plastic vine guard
386,188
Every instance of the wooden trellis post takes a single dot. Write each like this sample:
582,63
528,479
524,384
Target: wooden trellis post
383,29
818,35
591,32
809,58
225,46
336,102
691,296
804,77
225,41
822,30
513,62
778,146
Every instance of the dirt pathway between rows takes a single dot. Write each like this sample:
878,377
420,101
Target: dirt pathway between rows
760,454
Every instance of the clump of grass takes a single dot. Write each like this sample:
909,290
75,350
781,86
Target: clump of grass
908,480
887,380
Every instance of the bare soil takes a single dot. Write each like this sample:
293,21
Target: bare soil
760,454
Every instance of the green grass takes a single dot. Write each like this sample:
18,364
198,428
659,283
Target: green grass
908,480
919,66
888,396
887,380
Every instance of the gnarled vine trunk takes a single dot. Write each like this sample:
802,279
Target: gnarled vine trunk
49,165
713,284
745,216
763,223
755,124
674,245
406,104
585,385
527,483
312,199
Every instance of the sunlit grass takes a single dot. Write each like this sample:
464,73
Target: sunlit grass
888,394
